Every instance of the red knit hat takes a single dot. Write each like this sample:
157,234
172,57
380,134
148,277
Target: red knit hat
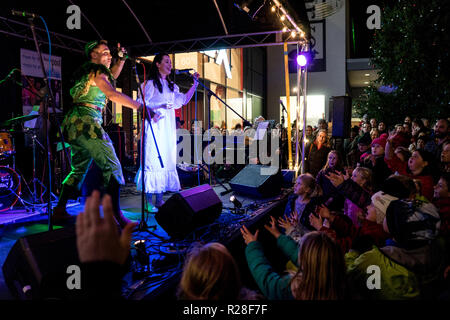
381,140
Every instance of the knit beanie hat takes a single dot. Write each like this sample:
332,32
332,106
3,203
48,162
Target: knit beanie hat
381,202
412,223
381,140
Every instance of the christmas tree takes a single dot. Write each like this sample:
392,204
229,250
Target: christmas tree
411,51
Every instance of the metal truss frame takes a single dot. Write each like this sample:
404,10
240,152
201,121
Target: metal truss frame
22,30
258,39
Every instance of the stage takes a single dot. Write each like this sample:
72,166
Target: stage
158,279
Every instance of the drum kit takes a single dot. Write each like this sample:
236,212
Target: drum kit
10,180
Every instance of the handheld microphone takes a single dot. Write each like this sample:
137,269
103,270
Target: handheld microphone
124,56
24,14
282,104
182,71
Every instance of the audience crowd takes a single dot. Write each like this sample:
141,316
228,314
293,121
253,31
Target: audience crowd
369,220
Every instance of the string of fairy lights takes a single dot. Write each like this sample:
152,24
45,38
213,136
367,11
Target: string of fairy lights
287,21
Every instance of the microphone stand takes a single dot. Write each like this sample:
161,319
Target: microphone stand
245,122
145,114
49,100
211,93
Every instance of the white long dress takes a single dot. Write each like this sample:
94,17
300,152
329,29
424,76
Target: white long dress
156,178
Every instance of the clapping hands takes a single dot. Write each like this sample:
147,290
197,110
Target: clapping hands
289,222
316,221
272,228
337,178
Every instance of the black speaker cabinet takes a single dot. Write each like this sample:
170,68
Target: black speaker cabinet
253,180
341,116
189,209
36,266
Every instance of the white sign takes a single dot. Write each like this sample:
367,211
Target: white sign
31,66
221,57
317,39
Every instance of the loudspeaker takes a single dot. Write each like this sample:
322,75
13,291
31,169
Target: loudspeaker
254,181
189,209
341,116
36,266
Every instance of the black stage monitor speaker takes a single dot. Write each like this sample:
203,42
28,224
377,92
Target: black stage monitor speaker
189,209
342,116
36,266
253,181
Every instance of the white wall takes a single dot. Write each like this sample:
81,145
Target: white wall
330,83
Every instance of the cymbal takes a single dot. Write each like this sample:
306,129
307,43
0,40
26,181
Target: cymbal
18,120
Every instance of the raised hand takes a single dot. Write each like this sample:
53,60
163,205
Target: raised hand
324,212
289,222
336,179
316,222
122,52
248,236
98,238
272,228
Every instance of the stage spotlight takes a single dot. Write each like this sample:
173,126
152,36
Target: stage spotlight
141,253
236,202
302,59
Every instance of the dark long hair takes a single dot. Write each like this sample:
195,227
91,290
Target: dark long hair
154,73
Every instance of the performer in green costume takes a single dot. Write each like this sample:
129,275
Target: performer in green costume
83,131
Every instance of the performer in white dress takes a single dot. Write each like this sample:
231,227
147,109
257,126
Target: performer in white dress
162,96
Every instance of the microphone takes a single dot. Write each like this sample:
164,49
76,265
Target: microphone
24,14
182,71
282,104
124,56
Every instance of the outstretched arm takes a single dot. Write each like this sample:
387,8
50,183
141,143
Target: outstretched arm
388,149
102,82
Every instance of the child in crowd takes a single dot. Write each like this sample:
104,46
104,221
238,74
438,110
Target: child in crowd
330,194
363,146
417,167
376,163
303,202
411,265
344,231
357,191
441,199
211,273
320,262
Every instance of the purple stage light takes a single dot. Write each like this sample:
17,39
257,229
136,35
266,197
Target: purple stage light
302,60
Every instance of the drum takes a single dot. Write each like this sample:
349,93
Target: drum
9,188
6,146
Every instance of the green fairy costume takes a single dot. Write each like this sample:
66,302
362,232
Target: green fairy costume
83,131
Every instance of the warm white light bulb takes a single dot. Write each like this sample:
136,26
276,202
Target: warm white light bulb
283,17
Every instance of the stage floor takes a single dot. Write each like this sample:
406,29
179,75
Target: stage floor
165,254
